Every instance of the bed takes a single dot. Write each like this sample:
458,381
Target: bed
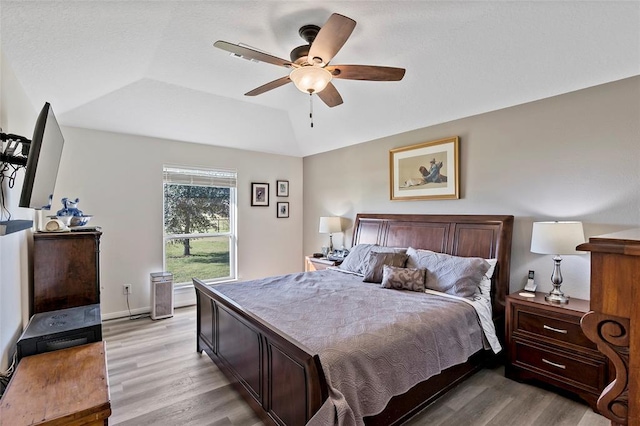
283,379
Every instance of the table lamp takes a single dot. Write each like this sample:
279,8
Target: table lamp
330,225
556,238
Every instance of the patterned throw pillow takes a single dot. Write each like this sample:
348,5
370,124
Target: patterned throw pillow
403,278
377,261
454,275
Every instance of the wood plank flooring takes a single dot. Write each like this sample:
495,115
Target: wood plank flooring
157,378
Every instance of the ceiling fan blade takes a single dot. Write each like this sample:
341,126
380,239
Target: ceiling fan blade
269,86
366,72
248,53
330,96
331,38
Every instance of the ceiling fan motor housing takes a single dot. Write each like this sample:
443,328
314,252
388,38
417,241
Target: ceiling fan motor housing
299,54
308,33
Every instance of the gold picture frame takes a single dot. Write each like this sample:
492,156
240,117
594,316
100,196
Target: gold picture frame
425,171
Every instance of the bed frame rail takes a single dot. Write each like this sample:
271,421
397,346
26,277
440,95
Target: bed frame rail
280,378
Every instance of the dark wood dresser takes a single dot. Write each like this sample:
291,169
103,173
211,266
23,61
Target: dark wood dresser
614,320
66,270
545,343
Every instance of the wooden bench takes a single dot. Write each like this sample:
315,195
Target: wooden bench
65,387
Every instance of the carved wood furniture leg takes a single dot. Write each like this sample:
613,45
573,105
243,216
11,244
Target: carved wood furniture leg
611,334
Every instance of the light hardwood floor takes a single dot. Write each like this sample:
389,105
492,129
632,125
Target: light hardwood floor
157,378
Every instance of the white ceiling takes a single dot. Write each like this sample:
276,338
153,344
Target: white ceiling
149,67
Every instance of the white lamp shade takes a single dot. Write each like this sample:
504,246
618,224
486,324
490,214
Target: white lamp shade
330,225
556,237
310,79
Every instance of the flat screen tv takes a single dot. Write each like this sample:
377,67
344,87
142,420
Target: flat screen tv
43,161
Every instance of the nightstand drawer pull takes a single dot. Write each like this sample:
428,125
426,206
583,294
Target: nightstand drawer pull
557,330
554,364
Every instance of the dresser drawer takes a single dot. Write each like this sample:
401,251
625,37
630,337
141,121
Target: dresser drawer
555,326
566,368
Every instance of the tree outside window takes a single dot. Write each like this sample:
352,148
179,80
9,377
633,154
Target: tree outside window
199,219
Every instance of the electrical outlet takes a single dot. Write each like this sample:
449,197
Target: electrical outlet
126,289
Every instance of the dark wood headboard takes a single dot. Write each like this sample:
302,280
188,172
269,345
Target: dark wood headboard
482,236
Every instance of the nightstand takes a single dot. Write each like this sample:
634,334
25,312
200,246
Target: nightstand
318,263
545,343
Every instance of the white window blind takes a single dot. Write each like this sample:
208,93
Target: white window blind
199,176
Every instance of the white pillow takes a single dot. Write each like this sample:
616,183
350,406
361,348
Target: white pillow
484,287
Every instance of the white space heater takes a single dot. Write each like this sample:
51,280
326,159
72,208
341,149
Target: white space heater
161,295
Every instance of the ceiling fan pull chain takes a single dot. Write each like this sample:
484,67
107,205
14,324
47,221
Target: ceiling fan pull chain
311,108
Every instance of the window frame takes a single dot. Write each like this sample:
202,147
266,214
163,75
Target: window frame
231,234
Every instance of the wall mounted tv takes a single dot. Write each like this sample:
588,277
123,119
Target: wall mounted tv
43,161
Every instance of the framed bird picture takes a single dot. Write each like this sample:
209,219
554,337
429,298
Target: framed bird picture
259,194
283,188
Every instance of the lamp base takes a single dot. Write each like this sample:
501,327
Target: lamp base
556,298
556,295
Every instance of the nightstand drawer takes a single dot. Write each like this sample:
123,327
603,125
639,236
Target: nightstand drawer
545,343
585,373
554,326
318,263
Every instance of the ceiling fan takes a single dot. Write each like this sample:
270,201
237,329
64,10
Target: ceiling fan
311,72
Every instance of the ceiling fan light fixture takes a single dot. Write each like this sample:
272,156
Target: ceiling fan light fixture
310,79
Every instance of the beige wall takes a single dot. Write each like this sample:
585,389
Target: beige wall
575,156
17,116
118,179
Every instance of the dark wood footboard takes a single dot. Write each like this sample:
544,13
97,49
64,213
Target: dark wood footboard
280,378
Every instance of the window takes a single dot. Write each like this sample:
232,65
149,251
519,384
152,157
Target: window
199,224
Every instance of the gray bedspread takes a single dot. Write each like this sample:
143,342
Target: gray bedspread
373,343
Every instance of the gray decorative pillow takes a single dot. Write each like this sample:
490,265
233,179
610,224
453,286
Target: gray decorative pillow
373,273
403,278
454,275
380,249
358,257
353,261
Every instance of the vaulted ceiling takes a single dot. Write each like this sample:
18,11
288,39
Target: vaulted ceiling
150,68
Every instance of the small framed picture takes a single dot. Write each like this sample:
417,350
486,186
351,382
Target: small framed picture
259,194
283,188
283,209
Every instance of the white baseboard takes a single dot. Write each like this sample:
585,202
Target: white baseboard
181,297
124,314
